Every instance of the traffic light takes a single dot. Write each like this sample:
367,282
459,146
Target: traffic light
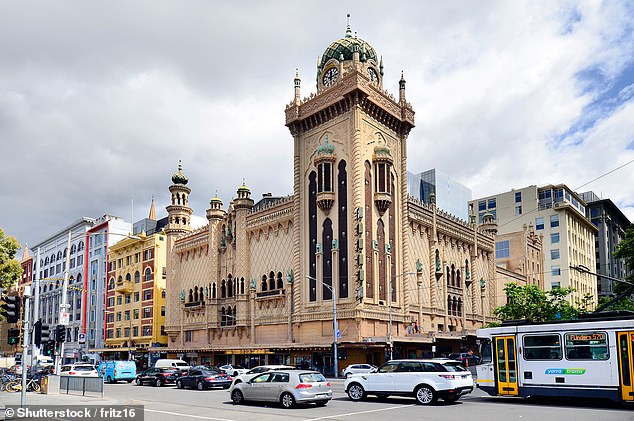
60,333
11,308
45,333
13,336
37,333
49,348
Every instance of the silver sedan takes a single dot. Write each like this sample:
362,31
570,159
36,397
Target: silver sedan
289,388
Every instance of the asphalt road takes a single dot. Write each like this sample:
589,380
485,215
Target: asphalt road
169,403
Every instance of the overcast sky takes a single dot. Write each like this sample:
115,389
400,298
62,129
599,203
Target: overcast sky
99,100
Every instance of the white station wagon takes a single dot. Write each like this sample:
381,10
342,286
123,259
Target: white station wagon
426,380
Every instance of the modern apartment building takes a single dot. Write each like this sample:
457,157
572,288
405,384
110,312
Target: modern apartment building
135,297
451,196
559,214
611,224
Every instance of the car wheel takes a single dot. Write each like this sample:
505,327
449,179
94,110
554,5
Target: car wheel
138,382
201,386
451,398
237,397
129,381
109,380
287,400
425,395
158,382
356,392
179,384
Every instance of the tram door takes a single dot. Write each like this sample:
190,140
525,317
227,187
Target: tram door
505,365
626,375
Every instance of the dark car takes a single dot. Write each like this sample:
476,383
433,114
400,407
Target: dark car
158,376
202,379
467,359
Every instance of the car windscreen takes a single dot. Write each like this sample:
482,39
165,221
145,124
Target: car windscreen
180,364
454,366
311,378
211,373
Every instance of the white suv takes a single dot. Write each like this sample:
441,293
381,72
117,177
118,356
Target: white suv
426,380
357,368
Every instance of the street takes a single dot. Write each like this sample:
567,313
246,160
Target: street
168,402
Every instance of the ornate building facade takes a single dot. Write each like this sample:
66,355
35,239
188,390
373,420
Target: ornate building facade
257,283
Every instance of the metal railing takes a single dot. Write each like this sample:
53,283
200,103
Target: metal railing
72,385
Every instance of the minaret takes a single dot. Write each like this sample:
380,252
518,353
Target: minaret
297,81
179,212
25,255
152,215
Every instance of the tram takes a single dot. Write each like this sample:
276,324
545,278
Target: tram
591,357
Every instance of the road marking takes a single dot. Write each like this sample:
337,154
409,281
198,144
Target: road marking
360,412
181,415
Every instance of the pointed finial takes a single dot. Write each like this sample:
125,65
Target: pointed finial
243,183
297,80
381,66
152,214
180,165
348,30
402,78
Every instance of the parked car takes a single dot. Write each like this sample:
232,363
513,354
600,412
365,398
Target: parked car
358,368
467,359
113,371
426,380
288,387
167,362
79,370
260,369
233,370
203,379
158,376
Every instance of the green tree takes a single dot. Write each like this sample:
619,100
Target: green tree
531,303
10,269
624,250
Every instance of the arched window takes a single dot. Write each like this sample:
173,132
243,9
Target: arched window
230,286
453,275
223,317
448,276
196,294
280,282
78,277
213,290
449,307
459,306
73,249
272,280
223,289
148,274
191,295
458,278
59,255
53,258
128,277
264,283
80,246
241,285
119,280
111,283
46,261
137,277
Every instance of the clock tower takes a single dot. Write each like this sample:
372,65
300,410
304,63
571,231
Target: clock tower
350,179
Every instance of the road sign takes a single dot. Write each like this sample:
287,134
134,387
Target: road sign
64,318
338,333
81,338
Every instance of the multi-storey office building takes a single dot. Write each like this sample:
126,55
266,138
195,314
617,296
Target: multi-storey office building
51,268
558,214
135,297
611,225
450,195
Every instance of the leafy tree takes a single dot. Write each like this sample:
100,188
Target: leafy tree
531,303
10,269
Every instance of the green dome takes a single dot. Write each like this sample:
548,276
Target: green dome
381,149
346,46
215,199
179,177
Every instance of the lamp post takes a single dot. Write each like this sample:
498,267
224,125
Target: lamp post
389,300
334,323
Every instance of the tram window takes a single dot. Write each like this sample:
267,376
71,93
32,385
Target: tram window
542,347
587,346
485,351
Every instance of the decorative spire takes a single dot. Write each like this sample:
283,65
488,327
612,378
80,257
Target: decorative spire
297,82
152,215
25,255
401,90
348,30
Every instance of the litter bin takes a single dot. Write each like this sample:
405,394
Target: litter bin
44,385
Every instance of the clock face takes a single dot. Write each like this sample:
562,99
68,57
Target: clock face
330,77
372,74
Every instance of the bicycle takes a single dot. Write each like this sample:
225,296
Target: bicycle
32,385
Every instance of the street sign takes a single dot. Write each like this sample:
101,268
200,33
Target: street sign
338,333
64,318
81,338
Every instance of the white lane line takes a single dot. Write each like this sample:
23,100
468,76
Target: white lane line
358,413
181,415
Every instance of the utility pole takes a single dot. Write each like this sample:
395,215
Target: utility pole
25,342
63,307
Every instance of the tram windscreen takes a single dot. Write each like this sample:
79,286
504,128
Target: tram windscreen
486,354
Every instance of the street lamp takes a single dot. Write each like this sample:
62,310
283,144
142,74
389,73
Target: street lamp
389,300
334,322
